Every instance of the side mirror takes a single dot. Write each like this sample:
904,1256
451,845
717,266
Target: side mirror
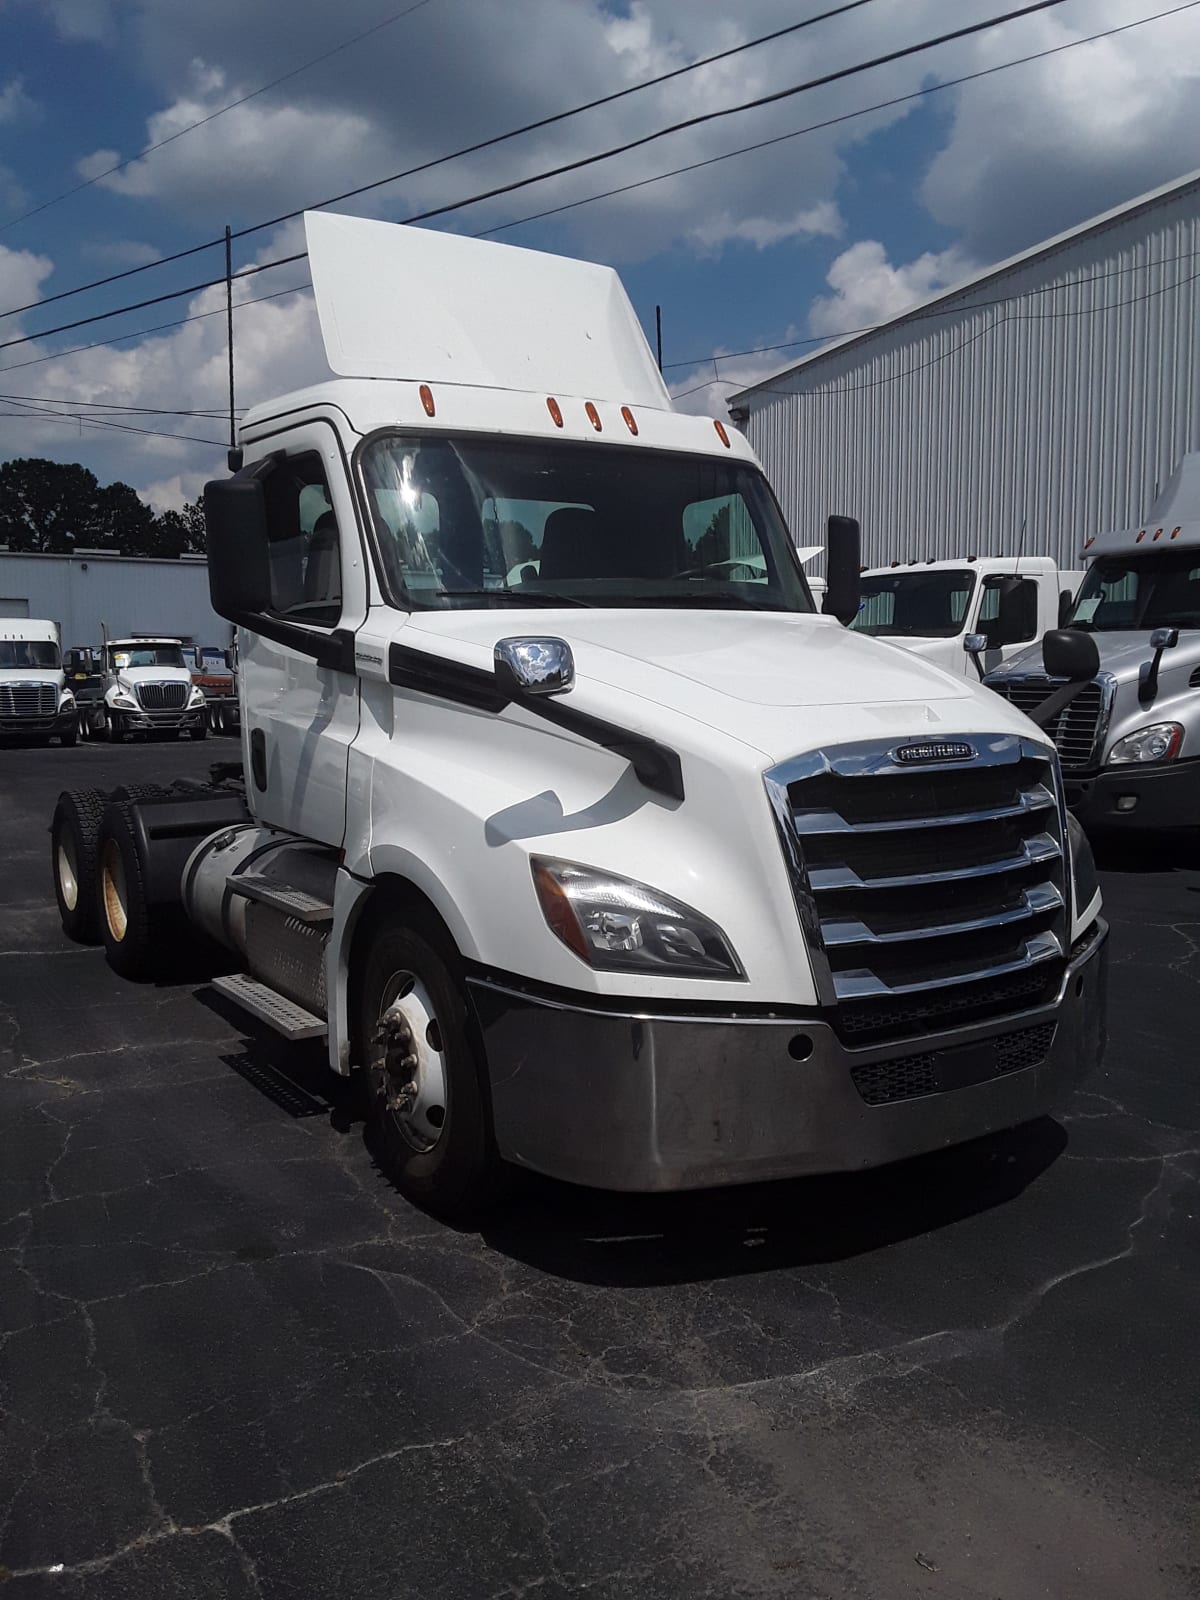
1071,654
1161,639
239,574
1164,638
843,569
534,666
1016,611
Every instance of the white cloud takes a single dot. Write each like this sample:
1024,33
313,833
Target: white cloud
15,103
12,194
1039,149
22,274
812,222
868,289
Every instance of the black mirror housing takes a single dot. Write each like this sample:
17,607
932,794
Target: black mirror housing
843,569
239,576
1068,653
1016,618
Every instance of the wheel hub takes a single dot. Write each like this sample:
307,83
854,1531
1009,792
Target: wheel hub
408,1064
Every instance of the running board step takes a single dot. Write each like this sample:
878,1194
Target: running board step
275,1009
282,897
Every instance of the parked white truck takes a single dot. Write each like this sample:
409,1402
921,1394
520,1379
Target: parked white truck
148,688
1129,744
35,703
632,869
968,615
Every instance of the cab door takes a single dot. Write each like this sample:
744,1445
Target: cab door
299,692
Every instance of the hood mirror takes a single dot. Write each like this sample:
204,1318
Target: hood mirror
535,666
1161,639
975,644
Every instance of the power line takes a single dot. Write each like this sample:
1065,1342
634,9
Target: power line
32,413
158,327
584,161
453,155
104,405
830,122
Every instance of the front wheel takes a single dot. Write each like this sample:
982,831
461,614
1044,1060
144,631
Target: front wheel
428,1120
69,737
114,726
200,732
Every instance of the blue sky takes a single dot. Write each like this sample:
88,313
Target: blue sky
831,229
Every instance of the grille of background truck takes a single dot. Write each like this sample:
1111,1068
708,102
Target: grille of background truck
939,896
28,700
1076,731
162,696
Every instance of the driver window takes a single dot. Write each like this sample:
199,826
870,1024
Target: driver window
303,542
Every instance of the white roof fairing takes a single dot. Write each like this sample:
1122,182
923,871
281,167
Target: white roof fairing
401,302
1173,523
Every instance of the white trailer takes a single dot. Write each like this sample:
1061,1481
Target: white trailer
565,817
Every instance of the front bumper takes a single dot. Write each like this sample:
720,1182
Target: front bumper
1166,796
61,722
643,1102
159,721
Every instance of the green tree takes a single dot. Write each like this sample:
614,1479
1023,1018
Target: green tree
47,506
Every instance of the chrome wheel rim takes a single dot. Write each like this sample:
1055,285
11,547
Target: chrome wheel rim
68,874
115,894
408,1064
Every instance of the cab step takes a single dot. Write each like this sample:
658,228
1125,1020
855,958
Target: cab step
271,1007
283,897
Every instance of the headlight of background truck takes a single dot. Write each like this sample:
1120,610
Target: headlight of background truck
1159,742
196,698
618,925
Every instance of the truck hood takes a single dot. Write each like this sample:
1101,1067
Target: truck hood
38,675
1121,654
155,675
779,682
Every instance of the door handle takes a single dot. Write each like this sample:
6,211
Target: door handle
258,759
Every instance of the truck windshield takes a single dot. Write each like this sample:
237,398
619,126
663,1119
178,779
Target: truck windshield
480,521
925,605
146,655
18,653
1139,592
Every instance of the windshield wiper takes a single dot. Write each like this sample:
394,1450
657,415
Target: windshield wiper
530,597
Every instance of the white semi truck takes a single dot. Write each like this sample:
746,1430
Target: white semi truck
968,615
565,818
35,703
1129,744
148,689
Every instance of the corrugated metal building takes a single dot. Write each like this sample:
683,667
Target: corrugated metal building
132,594
1054,392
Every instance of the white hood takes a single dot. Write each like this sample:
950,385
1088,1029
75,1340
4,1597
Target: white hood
779,682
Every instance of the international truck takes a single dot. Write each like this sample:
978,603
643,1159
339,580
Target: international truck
35,702
147,689
1129,744
564,818
968,615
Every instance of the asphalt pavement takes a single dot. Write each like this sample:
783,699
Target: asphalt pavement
234,1363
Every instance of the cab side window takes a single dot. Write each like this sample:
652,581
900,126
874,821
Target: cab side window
304,542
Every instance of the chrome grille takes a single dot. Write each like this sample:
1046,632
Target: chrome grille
1076,731
162,696
931,898
28,700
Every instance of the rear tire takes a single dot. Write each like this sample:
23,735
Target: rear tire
199,733
128,926
74,835
429,1122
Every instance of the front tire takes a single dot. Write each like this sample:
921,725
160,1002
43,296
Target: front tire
74,836
428,1118
114,727
69,737
200,732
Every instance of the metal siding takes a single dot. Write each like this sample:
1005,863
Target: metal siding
131,596
1062,410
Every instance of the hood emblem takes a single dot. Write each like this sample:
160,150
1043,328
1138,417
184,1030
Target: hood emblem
924,752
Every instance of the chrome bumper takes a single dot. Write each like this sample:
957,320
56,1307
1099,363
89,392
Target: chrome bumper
643,1102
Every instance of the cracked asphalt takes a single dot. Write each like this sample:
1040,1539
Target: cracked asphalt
233,1362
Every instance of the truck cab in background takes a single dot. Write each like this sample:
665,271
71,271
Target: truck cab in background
148,689
1130,744
968,616
35,702
566,818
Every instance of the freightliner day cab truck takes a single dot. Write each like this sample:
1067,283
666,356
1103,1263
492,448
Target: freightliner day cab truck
1129,744
565,817
35,702
968,615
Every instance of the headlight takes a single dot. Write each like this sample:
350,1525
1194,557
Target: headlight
67,703
1159,742
196,698
1083,866
125,701
617,925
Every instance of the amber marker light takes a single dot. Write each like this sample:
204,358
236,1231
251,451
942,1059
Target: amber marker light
426,394
721,434
630,420
555,410
593,417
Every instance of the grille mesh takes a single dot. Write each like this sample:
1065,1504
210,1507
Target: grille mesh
162,696
28,700
1075,730
908,1077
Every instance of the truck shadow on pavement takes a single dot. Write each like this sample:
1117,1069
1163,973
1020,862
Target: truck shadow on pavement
639,1241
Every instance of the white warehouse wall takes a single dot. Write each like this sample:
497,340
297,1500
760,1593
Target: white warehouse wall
1055,392
131,594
